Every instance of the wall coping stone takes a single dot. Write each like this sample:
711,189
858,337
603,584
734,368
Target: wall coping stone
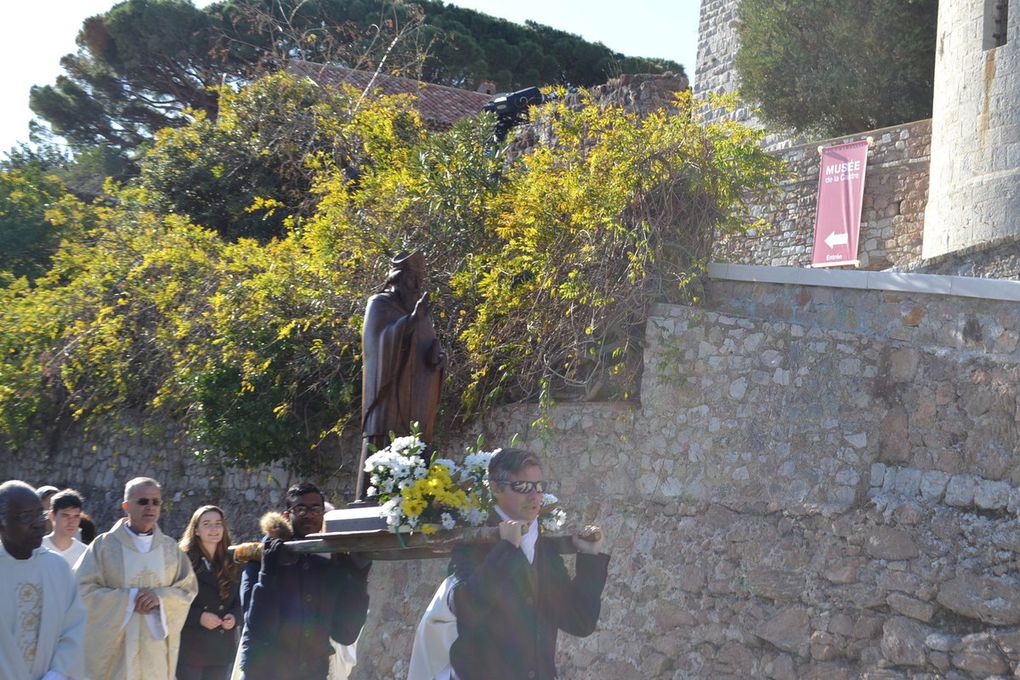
877,134
932,284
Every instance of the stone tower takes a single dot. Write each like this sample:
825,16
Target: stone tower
975,152
717,47
715,70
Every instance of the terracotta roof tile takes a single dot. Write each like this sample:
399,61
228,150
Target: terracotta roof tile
440,106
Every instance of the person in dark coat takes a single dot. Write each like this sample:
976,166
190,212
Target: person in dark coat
294,605
88,529
209,635
511,599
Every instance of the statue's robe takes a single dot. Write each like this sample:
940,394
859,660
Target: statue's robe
122,644
401,379
42,618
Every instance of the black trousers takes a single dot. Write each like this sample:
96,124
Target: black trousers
203,672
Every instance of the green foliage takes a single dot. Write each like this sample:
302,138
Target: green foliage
468,47
610,214
251,346
26,193
83,173
136,67
143,64
249,172
835,67
542,265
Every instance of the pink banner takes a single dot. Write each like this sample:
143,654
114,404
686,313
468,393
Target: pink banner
840,197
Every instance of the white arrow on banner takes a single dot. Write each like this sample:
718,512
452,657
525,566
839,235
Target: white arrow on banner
835,239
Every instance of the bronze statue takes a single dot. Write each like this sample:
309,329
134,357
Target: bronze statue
402,361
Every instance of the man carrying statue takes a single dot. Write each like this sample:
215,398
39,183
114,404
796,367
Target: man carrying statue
499,613
403,362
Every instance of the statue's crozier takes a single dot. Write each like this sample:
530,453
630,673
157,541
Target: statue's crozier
402,361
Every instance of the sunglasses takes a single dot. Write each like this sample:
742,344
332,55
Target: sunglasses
303,510
523,487
146,501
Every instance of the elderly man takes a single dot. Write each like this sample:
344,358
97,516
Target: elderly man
42,618
137,585
511,599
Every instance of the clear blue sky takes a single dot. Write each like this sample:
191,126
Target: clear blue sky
42,31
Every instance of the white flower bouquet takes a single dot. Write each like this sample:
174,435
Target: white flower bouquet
415,496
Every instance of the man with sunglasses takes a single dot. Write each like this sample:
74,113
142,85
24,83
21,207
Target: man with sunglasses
42,618
294,604
511,599
138,586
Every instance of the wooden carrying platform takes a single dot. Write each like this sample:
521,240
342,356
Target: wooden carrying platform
385,545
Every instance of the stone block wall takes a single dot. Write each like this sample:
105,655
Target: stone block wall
97,462
717,47
818,483
892,217
975,168
999,259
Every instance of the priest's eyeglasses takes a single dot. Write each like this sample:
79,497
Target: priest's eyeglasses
301,510
525,487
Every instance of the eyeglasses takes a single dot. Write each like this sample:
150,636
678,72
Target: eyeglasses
146,501
302,510
524,487
29,517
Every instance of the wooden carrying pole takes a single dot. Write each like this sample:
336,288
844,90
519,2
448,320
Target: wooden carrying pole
384,545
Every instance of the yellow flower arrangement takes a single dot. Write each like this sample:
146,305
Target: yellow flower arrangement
416,496
419,497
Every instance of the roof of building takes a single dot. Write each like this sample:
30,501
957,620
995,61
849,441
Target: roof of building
440,106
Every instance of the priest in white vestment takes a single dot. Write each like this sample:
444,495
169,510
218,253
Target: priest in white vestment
42,618
138,586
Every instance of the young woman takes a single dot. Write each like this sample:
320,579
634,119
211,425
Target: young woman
209,636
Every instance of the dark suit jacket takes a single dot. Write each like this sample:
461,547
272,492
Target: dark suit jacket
201,646
509,611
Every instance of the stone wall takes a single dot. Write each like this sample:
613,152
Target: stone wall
892,218
975,167
818,483
97,462
717,47
999,259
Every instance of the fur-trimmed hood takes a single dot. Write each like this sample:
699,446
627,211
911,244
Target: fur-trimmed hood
274,525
